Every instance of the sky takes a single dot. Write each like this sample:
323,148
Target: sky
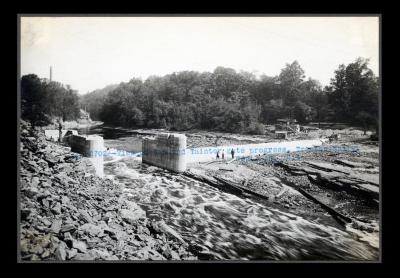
90,53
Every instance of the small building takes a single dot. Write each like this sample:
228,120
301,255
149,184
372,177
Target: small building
281,134
289,125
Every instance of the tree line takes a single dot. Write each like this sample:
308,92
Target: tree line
42,101
222,100
226,100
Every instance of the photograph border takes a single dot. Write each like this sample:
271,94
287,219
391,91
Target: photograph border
20,15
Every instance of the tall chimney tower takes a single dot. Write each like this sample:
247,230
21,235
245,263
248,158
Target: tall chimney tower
51,73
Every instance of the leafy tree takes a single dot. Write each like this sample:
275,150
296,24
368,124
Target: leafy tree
94,101
266,89
353,93
302,112
41,101
226,100
291,78
33,100
366,120
225,81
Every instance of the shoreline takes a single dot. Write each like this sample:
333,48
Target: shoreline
334,178
67,213
95,210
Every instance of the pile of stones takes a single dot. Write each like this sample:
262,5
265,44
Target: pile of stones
67,213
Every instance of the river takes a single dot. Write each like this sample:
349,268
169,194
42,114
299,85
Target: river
221,225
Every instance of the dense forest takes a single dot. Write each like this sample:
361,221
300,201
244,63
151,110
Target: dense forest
42,101
226,100
222,100
93,101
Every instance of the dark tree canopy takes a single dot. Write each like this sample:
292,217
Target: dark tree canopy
353,94
222,100
41,101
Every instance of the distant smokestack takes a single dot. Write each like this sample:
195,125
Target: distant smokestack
51,73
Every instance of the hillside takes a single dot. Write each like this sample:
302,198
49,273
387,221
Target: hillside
94,100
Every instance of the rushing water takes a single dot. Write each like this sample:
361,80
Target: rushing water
221,225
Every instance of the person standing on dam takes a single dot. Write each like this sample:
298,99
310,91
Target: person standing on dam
233,153
59,131
223,154
217,154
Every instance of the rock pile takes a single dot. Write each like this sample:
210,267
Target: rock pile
67,213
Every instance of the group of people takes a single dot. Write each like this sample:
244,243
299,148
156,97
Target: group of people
223,154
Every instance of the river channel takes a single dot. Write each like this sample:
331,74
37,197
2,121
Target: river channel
220,225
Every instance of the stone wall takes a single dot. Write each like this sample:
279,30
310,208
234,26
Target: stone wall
166,150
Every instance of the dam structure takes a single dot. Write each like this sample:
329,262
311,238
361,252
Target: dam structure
205,154
168,150
92,147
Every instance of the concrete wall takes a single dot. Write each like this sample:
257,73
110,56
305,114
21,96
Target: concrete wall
166,150
169,151
91,146
209,153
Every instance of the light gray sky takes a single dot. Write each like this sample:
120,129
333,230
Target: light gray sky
89,53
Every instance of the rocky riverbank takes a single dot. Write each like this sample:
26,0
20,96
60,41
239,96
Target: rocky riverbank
342,175
67,213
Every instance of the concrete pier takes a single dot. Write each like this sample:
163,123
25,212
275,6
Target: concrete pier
169,151
91,146
166,150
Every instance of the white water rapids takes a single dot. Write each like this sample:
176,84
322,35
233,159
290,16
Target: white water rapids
224,226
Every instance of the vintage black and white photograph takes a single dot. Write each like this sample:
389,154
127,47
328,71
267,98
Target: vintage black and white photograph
199,138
